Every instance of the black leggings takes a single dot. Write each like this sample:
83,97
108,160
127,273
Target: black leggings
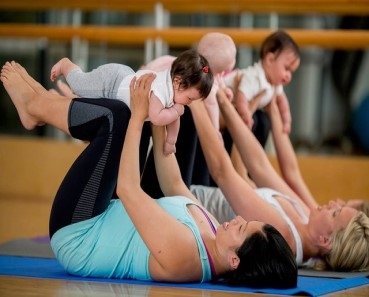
90,183
190,157
188,147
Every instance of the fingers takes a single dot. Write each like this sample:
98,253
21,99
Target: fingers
139,92
142,83
146,80
237,78
260,94
219,80
132,85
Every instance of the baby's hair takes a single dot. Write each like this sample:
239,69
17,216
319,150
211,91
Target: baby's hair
277,42
193,70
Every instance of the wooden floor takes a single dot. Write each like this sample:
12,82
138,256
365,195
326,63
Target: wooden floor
27,287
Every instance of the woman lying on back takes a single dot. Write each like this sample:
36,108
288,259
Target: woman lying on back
171,239
338,234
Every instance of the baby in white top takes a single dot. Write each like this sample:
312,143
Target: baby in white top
188,78
279,59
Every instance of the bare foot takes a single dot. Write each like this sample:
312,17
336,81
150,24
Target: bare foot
57,69
20,93
36,86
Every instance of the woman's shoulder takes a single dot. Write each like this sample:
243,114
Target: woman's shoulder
175,200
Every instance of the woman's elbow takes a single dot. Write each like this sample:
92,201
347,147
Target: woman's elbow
121,191
124,190
171,188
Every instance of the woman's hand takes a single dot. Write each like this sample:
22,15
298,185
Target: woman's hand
140,90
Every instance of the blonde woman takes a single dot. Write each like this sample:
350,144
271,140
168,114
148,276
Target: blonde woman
338,234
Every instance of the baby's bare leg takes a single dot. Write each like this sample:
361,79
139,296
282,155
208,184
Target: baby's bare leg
62,68
34,108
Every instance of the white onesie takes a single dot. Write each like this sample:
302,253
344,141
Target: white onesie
253,81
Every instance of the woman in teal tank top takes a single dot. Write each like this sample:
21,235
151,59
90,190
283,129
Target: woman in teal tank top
171,239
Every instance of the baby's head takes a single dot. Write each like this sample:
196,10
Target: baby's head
280,57
192,77
220,50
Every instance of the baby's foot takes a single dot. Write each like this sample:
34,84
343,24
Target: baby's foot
57,69
36,86
65,90
20,93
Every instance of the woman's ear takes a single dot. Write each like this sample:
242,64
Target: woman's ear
325,243
234,261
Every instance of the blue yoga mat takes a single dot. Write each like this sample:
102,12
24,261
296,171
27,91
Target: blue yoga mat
51,269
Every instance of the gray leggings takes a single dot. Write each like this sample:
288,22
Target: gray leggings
102,82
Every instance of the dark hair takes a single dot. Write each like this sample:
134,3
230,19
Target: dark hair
266,260
194,71
277,42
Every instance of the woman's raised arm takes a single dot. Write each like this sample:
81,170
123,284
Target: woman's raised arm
238,192
287,159
259,166
252,153
167,169
170,242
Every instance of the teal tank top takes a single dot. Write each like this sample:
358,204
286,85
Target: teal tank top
109,246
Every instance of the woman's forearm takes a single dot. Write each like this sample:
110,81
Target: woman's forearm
287,159
262,172
241,196
250,150
211,144
128,185
129,172
167,169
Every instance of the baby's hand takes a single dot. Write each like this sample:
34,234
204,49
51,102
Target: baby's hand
169,148
179,108
229,93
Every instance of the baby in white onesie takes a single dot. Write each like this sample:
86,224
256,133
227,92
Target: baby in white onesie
279,59
189,78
